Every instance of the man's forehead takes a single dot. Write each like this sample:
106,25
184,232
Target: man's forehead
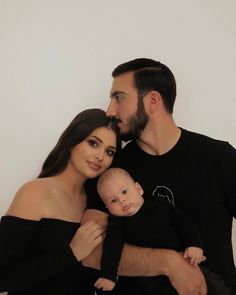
125,78
122,83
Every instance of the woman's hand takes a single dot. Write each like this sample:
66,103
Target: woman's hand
86,238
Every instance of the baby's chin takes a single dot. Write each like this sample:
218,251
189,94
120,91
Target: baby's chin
130,213
124,214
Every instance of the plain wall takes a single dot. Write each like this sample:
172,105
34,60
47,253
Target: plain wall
56,58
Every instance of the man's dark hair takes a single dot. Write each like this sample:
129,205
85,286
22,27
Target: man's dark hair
151,75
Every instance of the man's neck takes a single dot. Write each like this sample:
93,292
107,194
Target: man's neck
159,139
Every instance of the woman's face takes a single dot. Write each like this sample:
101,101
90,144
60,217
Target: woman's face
95,153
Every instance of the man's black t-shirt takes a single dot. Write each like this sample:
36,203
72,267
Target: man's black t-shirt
198,176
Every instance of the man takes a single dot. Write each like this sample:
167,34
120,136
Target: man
194,172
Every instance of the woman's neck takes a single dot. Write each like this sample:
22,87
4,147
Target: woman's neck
70,182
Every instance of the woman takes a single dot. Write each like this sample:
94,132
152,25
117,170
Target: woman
41,240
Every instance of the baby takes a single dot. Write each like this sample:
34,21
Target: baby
142,222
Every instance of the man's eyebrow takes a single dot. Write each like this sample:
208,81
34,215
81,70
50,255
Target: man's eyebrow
113,94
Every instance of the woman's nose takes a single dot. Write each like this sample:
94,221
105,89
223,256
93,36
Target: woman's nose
99,155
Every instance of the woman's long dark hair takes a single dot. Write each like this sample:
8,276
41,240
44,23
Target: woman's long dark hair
79,129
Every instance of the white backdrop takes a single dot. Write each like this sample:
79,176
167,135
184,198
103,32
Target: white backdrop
56,57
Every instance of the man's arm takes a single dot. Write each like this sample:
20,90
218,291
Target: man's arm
137,261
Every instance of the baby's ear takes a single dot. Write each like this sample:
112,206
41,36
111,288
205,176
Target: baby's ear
139,188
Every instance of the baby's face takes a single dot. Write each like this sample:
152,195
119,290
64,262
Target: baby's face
122,196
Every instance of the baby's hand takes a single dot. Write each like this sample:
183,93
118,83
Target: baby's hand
104,284
195,255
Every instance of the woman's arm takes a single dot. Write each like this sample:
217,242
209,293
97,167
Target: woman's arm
20,266
137,261
18,271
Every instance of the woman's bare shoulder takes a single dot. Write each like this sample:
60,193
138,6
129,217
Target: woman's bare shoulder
30,200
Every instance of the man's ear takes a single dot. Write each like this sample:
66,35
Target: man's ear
139,188
154,98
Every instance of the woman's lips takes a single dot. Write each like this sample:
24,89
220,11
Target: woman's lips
94,166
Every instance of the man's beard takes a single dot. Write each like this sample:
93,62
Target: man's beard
136,122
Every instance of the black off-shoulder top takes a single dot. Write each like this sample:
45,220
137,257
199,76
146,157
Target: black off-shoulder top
35,258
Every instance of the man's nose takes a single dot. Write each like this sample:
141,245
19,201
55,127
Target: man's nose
111,110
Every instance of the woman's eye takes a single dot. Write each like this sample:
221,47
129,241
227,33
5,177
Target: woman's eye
92,142
110,153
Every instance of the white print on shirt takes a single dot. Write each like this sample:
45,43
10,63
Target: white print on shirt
164,192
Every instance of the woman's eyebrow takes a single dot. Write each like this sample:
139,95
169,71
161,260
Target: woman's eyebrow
99,139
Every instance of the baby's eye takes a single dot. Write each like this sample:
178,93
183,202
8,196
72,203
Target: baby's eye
113,201
92,143
124,191
110,152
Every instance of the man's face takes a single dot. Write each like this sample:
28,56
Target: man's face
127,107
